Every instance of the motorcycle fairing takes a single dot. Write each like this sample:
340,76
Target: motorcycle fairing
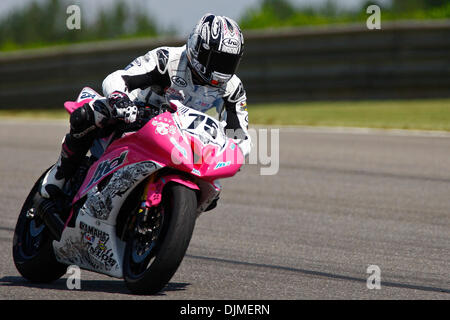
92,243
172,147
154,189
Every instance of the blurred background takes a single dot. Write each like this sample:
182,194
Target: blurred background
306,62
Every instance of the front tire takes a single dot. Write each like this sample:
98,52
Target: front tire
150,274
32,245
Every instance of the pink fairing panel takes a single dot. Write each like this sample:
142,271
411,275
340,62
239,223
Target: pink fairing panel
166,145
154,189
71,106
211,163
189,154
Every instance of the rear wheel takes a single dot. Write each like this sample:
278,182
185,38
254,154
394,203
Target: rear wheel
158,242
32,245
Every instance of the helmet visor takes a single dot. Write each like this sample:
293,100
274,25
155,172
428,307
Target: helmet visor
217,61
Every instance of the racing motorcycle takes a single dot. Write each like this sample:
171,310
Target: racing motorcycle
130,210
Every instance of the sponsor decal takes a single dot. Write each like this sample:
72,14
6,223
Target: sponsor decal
163,128
231,43
87,95
179,81
89,238
195,171
101,245
91,232
99,252
104,256
106,167
222,165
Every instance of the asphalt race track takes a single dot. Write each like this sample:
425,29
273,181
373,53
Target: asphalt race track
340,202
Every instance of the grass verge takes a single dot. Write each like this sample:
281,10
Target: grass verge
413,114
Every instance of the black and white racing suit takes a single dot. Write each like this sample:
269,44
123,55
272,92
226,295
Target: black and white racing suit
160,75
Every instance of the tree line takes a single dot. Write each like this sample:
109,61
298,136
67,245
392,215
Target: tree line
283,13
44,23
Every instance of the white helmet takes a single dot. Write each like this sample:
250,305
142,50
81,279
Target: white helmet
214,49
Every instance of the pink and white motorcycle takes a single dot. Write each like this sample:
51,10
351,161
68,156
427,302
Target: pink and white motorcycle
130,210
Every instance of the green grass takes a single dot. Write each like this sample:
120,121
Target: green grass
413,114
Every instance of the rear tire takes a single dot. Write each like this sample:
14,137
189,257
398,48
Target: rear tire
179,214
32,246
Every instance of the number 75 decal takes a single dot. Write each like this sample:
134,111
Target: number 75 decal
210,126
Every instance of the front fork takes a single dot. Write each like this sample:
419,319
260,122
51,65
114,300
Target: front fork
152,196
146,225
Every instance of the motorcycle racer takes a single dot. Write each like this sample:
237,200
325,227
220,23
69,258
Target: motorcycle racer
201,74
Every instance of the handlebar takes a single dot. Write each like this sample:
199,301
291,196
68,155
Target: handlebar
119,114
145,112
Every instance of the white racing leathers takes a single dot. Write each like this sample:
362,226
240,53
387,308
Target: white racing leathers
163,74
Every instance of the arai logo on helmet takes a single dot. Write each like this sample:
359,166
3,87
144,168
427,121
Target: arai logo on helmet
179,81
231,43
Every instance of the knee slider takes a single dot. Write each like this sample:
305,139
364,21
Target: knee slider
81,118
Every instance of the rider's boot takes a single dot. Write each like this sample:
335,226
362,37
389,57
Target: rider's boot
51,188
46,207
53,180
63,169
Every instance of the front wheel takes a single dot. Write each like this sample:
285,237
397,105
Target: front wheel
157,246
32,245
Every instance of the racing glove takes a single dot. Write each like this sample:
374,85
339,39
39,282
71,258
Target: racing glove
123,107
